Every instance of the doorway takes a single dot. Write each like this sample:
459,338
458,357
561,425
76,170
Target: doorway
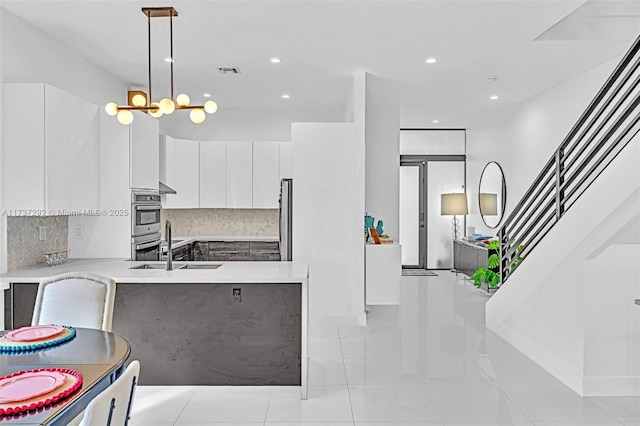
426,235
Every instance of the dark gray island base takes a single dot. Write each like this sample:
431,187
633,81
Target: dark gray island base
201,334
235,323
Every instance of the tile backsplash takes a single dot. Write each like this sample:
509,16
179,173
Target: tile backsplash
24,247
223,222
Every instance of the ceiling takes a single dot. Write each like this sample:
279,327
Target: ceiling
322,43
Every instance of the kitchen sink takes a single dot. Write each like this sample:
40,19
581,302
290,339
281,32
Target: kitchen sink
200,266
157,266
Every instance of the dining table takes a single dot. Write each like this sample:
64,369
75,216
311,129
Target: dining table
98,355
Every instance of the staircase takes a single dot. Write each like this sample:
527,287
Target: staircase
605,128
570,305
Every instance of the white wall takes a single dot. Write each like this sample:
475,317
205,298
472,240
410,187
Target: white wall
382,145
3,218
523,138
246,124
30,56
358,115
323,216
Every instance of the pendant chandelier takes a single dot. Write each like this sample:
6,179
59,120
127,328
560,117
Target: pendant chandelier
139,101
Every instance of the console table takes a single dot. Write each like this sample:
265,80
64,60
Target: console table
467,257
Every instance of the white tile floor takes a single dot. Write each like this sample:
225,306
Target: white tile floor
429,361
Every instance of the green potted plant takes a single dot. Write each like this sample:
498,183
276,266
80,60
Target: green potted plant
491,274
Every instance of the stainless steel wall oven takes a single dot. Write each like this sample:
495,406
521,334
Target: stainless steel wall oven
145,226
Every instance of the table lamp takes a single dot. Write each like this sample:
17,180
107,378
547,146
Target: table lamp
454,204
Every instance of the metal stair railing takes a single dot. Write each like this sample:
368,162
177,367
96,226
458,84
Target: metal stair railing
608,124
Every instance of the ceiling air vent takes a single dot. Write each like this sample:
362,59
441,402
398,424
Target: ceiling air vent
229,70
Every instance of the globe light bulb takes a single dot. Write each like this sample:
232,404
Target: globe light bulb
111,108
210,107
155,112
138,100
183,100
197,116
167,106
125,116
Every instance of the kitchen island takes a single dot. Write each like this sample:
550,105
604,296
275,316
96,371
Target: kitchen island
244,323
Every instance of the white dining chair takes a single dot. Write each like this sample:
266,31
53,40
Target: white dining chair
112,407
77,299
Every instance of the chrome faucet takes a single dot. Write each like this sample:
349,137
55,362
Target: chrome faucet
167,237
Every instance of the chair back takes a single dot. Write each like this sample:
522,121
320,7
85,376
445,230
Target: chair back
113,406
77,299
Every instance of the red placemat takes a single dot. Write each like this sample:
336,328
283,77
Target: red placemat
53,392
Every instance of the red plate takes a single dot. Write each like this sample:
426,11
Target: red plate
29,385
35,332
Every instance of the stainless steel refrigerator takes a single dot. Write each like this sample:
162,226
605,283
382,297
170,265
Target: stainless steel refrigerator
286,218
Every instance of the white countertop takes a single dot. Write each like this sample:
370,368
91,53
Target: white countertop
118,269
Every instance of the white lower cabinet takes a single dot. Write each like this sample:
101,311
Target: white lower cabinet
51,150
383,274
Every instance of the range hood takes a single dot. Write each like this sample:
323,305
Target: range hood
164,189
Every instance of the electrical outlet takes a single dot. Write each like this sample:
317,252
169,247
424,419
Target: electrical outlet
42,233
236,295
78,232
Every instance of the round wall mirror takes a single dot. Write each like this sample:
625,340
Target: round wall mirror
492,194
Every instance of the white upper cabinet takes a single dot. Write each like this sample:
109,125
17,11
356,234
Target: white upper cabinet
286,160
182,173
266,175
23,169
239,182
226,174
51,150
213,174
144,151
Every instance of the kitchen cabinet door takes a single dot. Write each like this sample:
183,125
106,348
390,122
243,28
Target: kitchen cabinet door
266,175
144,151
153,152
71,152
286,160
183,173
239,175
23,170
213,174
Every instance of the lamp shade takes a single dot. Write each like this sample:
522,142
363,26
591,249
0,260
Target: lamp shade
454,204
488,204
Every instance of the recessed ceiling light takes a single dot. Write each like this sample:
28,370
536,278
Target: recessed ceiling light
432,60
413,136
169,60
436,121
493,97
285,96
492,80
275,60
206,95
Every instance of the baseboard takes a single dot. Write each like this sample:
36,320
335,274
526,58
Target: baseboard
612,386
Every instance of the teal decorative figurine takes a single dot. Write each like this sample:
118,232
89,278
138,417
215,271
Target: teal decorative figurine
379,227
